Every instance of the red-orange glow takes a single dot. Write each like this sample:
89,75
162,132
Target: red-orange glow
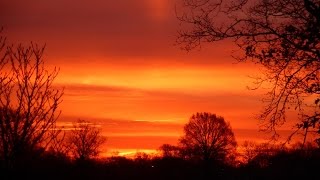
143,107
159,9
121,69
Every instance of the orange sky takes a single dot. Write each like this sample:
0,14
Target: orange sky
121,68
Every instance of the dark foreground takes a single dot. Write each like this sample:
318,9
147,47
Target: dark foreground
286,165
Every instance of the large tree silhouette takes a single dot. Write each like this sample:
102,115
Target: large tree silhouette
281,35
28,101
207,137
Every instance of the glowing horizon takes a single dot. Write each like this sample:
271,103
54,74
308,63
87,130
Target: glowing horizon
121,68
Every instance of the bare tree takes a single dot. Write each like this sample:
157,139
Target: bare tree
85,140
208,137
28,101
281,35
59,146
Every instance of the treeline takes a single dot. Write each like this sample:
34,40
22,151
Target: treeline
207,149
266,162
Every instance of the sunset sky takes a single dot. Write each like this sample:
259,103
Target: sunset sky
122,69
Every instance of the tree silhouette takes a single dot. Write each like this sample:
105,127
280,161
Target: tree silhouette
28,101
85,140
170,151
281,35
249,151
208,137
259,154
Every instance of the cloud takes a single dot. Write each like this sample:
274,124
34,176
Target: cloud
167,106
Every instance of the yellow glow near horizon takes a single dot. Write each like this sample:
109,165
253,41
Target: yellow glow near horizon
128,153
184,78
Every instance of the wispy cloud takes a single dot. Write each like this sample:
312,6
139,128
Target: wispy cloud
154,105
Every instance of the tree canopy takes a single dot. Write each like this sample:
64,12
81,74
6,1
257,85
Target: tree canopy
208,137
